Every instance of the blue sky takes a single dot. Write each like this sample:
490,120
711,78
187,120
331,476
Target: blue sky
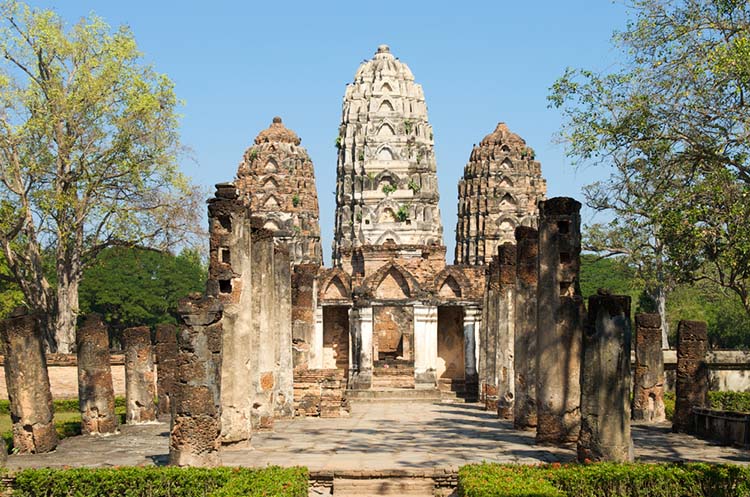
238,64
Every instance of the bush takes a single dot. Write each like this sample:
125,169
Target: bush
730,401
604,480
669,403
162,482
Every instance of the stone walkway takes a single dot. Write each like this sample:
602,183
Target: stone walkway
377,436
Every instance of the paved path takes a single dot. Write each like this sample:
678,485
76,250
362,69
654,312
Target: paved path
377,436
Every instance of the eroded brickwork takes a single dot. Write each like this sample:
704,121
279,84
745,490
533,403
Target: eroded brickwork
140,386
648,375
524,357
28,385
166,355
691,388
320,392
500,190
96,395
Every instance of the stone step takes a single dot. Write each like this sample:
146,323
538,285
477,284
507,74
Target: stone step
393,372
393,395
370,487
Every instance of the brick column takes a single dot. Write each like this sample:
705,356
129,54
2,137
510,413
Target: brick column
524,357
471,317
28,385
166,355
361,346
691,389
96,395
505,331
560,316
648,378
140,389
605,381
195,438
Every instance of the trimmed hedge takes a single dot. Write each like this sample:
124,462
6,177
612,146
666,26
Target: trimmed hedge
604,480
730,401
61,405
162,482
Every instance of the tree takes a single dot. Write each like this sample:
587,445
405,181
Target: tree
671,123
88,156
135,287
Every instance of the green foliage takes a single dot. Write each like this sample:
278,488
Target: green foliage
339,142
604,480
163,482
414,186
669,404
253,154
295,200
133,287
11,295
730,401
612,274
389,188
407,127
361,156
402,215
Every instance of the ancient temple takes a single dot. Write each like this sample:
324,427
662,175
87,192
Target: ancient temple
500,190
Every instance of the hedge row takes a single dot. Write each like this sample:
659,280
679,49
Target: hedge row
730,401
162,482
61,405
604,480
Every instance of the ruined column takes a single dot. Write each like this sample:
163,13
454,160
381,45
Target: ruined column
166,354
488,332
96,394
284,391
195,438
560,316
425,346
316,349
304,304
140,389
263,348
28,385
605,381
524,338
361,343
691,387
648,378
472,316
505,336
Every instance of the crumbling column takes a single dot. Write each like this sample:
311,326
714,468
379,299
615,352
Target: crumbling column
472,322
425,346
140,389
605,381
524,357
28,385
316,349
304,304
648,378
361,343
488,331
195,438
166,354
284,394
691,388
505,337
560,316
96,394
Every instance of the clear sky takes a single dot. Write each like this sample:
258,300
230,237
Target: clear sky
238,64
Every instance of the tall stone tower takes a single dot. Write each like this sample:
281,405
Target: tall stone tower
386,185
277,181
500,190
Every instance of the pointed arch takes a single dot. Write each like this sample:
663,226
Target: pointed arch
386,130
271,165
450,288
508,200
386,87
506,182
271,202
385,153
392,282
452,283
334,285
385,106
270,183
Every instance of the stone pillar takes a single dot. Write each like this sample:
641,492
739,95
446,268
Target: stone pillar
28,385
488,331
425,346
648,380
524,357
140,389
560,316
471,322
304,304
284,394
166,354
96,395
691,387
195,437
605,381
361,339
505,336
316,350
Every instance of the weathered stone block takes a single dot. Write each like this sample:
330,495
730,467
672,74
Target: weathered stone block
648,378
166,355
525,333
140,388
96,395
691,388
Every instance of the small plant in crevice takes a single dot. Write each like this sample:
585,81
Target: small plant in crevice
295,200
339,142
407,127
388,188
402,214
361,156
413,186
253,155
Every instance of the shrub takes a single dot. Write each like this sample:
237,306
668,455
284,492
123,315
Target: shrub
166,482
669,403
730,401
604,480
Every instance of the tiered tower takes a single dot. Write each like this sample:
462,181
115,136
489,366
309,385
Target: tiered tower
500,190
277,180
386,174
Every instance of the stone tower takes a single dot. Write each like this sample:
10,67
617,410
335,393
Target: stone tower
500,190
386,173
277,181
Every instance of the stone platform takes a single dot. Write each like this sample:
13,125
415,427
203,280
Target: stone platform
378,436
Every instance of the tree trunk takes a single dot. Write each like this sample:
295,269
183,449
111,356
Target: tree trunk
67,310
661,305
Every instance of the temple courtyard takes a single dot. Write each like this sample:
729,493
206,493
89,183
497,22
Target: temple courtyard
378,436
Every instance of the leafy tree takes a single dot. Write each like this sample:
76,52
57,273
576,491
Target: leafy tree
671,123
10,295
133,287
88,156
